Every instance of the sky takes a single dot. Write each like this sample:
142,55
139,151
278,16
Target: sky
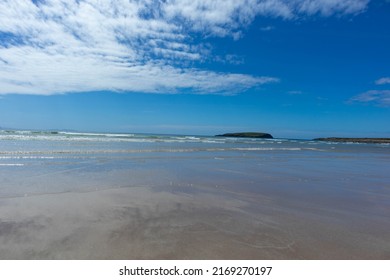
292,68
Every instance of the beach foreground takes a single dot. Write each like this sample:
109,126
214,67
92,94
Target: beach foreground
193,199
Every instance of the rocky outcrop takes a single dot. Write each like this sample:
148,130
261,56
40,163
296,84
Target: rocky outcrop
355,140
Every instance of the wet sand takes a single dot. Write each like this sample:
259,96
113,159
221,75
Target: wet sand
184,221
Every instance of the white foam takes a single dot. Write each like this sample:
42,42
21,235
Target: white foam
266,149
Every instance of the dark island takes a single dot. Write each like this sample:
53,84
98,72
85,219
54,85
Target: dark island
247,135
355,140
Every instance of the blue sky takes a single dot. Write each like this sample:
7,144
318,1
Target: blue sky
299,69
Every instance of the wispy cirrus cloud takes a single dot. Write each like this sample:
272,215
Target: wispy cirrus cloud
295,92
267,28
58,46
375,97
227,17
330,7
383,81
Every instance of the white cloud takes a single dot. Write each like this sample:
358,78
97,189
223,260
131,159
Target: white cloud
226,17
331,7
267,28
383,81
376,97
295,92
58,46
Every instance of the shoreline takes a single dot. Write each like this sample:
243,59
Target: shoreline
355,140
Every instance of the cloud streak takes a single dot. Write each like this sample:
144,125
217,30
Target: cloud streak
60,46
383,81
377,97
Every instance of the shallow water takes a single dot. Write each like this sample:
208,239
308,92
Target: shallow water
126,196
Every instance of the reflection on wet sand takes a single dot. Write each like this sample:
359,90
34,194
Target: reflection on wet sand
172,223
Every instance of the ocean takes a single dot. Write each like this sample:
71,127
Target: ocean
73,195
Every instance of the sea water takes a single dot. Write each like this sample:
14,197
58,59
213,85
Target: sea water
28,155
191,197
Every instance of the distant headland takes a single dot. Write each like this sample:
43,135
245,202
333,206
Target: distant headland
247,135
355,140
